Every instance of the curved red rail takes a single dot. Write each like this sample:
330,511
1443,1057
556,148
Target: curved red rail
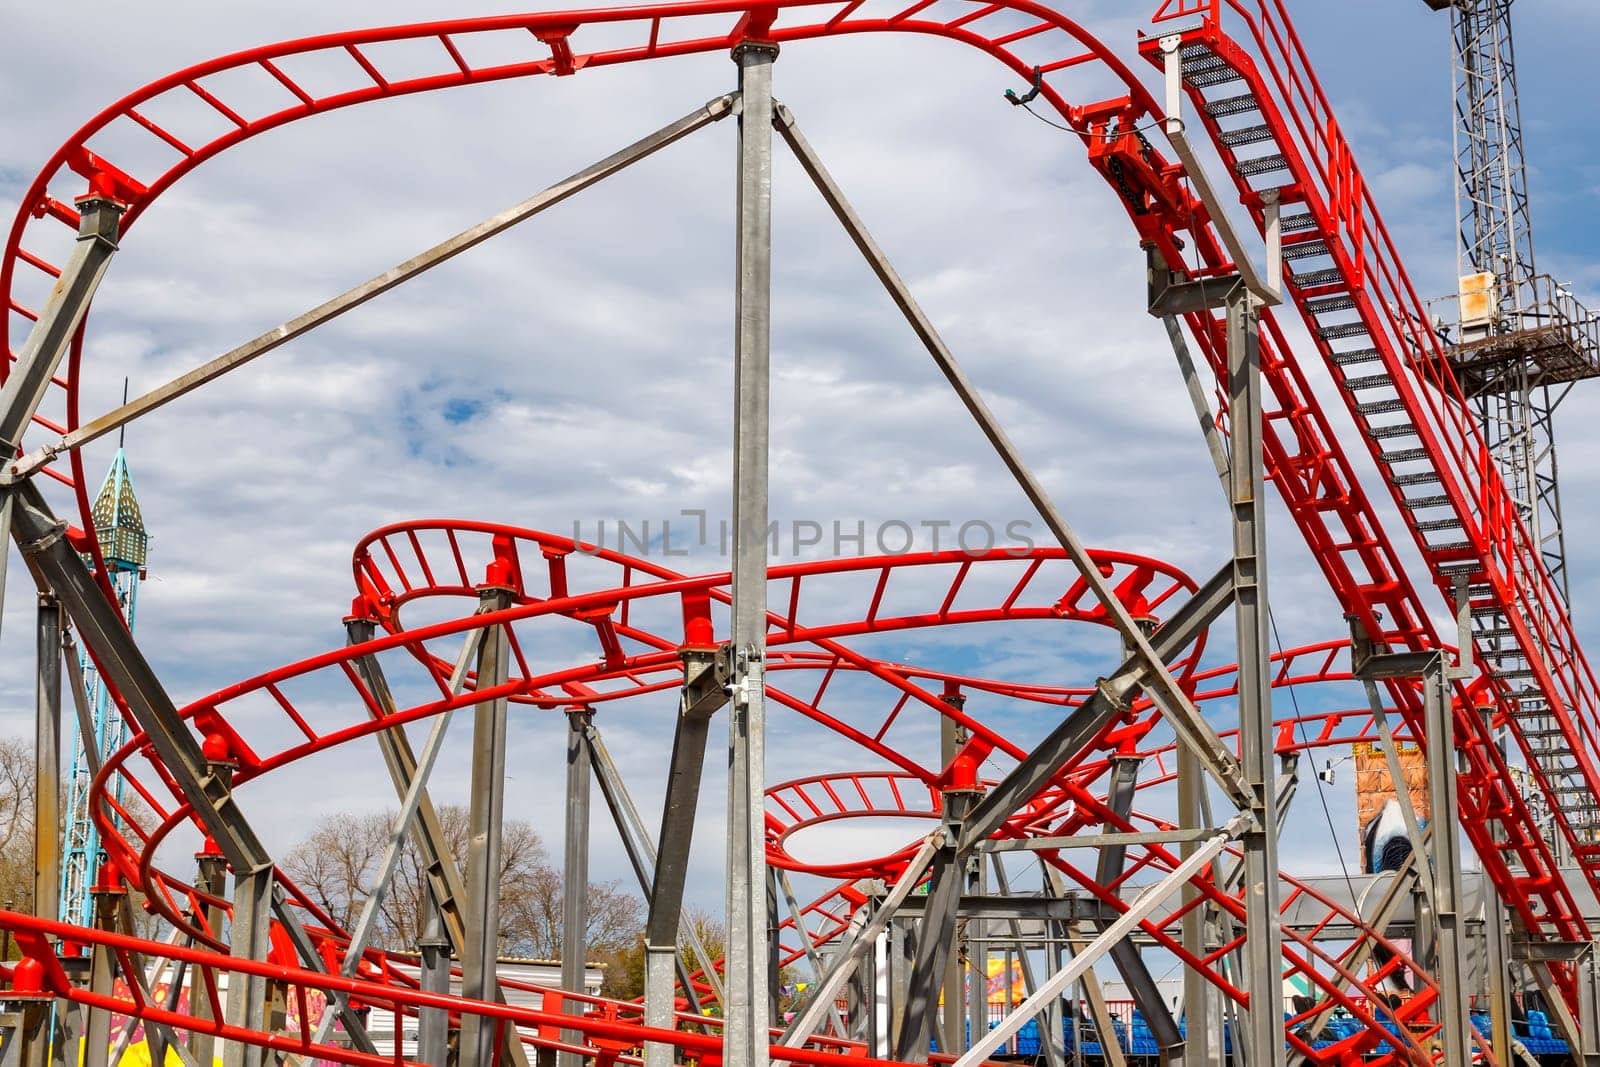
1306,462
433,557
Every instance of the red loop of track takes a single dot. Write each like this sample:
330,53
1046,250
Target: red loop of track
440,553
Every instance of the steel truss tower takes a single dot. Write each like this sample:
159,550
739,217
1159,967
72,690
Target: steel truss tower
1523,338
119,526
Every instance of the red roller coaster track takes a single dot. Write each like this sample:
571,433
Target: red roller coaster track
1370,330
403,564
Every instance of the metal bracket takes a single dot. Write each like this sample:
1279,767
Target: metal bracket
1528,950
1171,294
706,686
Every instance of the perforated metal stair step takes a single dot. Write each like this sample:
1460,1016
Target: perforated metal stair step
1450,546
1297,223
1404,455
1380,407
1384,433
1419,478
1342,329
1367,381
1219,76
1521,673
1495,633
1246,135
1316,279
1327,305
1250,168
1232,105
1302,249
1416,503
1359,355
1451,523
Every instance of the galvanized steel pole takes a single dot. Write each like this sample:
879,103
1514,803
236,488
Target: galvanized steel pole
1246,491
575,875
480,954
433,1024
47,762
745,1026
1447,892
47,785
1203,1040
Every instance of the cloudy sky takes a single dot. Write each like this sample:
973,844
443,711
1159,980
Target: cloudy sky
579,367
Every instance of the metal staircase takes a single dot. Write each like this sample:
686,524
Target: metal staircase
1274,130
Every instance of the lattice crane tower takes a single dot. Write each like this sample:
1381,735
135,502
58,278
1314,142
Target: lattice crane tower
1523,339
119,526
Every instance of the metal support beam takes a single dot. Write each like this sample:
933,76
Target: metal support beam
1125,953
970,932
142,976
857,944
433,1024
97,1034
642,857
1496,954
1049,1034
24,1037
1099,1011
47,761
446,886
702,116
445,883
481,952
807,941
935,942
705,690
1247,489
1588,1009
248,938
1084,723
1565,1023
1204,1044
99,219
746,1019
1441,757
952,1007
1140,910
575,875
1151,669
1391,753
403,827
40,536
211,879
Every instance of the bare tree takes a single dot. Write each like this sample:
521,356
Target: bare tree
16,823
337,866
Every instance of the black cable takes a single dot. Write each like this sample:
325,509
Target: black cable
1108,135
1041,118
1321,796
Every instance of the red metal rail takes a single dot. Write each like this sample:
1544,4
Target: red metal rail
427,561
1259,99
1306,461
